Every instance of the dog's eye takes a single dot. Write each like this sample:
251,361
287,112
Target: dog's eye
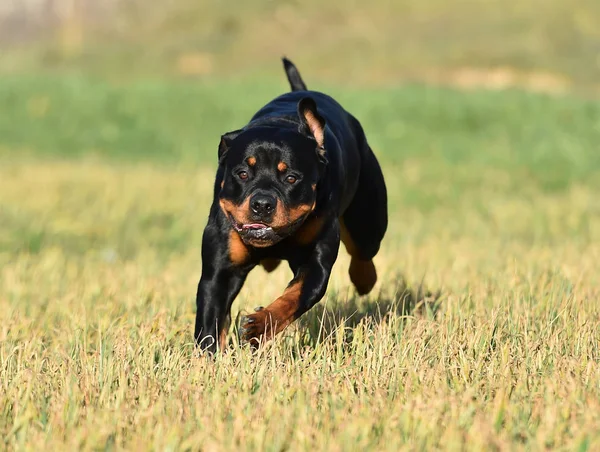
291,179
243,175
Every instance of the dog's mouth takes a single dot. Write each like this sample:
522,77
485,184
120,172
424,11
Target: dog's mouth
250,226
253,229
261,235
256,234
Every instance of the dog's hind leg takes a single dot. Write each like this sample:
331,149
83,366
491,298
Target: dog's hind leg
364,223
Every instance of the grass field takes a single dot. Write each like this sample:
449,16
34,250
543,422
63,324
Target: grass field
494,204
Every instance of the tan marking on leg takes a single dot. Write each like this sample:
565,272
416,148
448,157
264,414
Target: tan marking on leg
347,240
222,183
314,187
266,323
270,264
362,273
223,334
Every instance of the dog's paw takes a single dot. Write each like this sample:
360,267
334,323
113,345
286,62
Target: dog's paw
255,328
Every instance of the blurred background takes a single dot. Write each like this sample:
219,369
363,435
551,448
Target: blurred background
542,44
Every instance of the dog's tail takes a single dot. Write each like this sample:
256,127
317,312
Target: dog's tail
296,82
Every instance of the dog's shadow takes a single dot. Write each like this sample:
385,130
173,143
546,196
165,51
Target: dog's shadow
344,312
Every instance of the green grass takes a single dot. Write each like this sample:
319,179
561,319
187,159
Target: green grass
104,191
552,138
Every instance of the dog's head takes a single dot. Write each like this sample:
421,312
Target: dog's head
270,176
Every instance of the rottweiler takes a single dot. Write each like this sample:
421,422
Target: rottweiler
292,183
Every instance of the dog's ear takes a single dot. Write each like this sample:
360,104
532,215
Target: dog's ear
312,123
226,143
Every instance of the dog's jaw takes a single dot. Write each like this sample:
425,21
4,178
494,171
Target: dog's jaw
260,235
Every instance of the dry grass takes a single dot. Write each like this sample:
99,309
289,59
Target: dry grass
96,326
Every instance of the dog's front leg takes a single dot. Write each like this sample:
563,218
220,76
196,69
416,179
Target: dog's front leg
219,284
312,268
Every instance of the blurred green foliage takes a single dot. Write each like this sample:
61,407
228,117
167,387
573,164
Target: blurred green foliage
553,140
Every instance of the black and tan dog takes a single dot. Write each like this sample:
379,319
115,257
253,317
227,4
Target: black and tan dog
295,180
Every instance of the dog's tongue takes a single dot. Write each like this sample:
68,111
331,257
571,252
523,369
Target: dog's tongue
254,226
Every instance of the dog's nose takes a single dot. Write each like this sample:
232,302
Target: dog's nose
262,205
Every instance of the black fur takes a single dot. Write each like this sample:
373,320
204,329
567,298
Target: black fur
296,82
280,194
